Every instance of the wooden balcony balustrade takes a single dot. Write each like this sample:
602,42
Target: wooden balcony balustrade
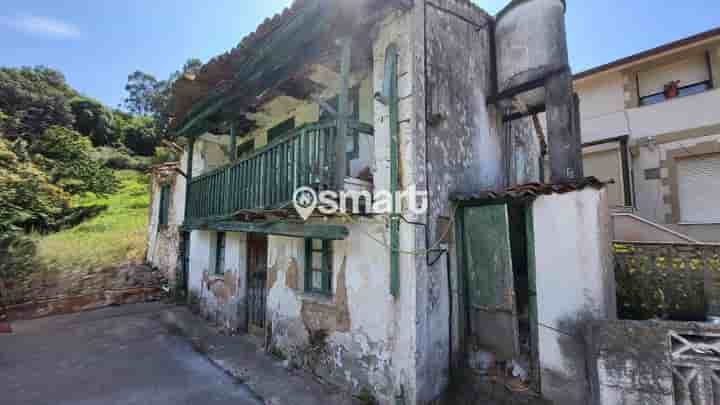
267,179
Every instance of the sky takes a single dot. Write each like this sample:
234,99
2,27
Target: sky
96,44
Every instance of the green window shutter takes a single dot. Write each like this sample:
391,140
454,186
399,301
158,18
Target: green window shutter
280,129
220,254
318,279
308,265
164,205
327,267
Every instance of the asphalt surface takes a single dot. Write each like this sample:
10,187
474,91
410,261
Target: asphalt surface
122,355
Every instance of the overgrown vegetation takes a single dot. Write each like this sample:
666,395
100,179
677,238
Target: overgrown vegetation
115,236
73,188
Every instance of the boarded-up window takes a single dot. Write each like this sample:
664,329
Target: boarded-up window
607,165
699,189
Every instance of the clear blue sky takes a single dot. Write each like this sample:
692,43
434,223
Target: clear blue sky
96,44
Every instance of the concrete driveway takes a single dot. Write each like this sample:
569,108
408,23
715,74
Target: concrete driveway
121,355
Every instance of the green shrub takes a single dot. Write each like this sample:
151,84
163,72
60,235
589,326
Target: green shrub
67,157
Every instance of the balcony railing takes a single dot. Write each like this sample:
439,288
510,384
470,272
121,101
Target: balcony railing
268,178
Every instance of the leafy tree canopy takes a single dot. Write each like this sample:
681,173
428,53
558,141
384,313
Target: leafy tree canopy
66,157
95,121
34,99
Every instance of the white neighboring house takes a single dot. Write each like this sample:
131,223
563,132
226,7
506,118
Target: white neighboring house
651,122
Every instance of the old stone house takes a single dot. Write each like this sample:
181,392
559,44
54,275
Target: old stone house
369,95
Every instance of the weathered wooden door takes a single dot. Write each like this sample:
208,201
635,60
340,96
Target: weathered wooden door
257,282
489,276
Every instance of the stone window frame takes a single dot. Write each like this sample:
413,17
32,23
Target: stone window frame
671,181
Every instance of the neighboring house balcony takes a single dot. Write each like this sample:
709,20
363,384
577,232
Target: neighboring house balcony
308,156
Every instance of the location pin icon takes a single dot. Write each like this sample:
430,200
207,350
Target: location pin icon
305,201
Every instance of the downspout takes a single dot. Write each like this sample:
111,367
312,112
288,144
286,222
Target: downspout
390,90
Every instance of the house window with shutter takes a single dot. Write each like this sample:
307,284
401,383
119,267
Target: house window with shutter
318,266
688,76
164,205
698,180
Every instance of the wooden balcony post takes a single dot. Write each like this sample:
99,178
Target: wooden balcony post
233,142
345,45
188,177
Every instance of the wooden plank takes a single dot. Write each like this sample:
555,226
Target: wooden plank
488,259
289,229
343,114
533,304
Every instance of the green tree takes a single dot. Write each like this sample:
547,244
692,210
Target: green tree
142,89
139,134
94,120
148,96
66,156
34,99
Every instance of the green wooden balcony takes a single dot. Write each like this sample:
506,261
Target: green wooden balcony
268,178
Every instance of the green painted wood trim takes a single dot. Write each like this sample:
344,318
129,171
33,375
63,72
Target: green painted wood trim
233,142
462,277
533,301
341,160
390,76
188,178
289,229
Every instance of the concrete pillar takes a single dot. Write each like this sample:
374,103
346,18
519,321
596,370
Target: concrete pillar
564,141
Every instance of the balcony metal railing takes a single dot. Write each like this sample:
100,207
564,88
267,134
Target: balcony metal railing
268,178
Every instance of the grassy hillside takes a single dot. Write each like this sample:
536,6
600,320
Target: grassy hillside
116,236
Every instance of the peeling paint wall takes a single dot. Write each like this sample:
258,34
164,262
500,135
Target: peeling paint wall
458,147
573,256
653,362
219,297
164,241
354,336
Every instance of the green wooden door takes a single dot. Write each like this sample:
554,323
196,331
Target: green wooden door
489,275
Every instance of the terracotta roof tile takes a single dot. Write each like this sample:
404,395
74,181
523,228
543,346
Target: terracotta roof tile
531,190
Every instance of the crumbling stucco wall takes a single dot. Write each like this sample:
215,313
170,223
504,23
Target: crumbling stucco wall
164,241
396,29
630,363
457,148
574,284
219,297
653,362
351,337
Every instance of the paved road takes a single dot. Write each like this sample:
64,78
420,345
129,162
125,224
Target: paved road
120,355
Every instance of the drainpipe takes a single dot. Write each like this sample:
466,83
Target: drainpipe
390,90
